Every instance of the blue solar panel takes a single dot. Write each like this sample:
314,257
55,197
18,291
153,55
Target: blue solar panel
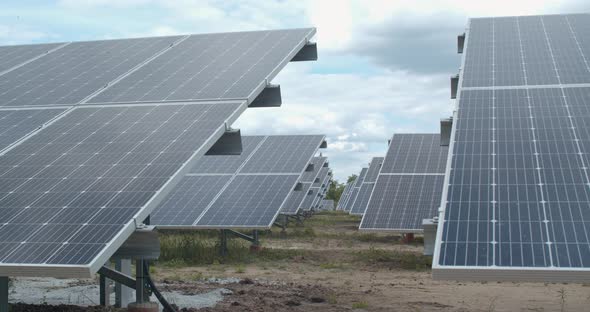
517,187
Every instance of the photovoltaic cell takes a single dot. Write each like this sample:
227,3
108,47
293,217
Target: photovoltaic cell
415,153
189,199
226,66
16,124
11,56
400,202
249,201
283,154
72,73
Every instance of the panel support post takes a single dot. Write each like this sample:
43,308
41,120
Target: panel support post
255,247
105,290
222,243
140,293
123,294
3,294
408,238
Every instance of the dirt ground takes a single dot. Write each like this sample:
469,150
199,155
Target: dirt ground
338,269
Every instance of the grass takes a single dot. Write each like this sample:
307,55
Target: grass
402,260
178,249
360,305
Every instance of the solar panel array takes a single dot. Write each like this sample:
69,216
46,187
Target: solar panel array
516,193
249,197
77,177
344,196
317,190
364,193
409,186
355,189
323,190
295,199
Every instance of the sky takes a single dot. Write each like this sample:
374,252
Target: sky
383,66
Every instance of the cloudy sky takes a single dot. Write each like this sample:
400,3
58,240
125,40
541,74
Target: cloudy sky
383,66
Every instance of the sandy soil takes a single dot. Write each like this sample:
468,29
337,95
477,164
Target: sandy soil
334,274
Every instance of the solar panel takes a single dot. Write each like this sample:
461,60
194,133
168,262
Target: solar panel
15,124
318,188
517,188
355,189
216,71
374,168
74,72
343,197
309,198
228,164
249,197
12,57
74,187
364,193
408,187
293,203
77,178
415,153
283,154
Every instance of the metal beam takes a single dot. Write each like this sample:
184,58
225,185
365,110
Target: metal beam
309,52
117,276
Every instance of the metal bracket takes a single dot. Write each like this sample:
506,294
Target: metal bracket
309,52
460,43
446,125
144,243
230,143
454,86
269,97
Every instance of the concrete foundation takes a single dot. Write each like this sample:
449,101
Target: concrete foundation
143,307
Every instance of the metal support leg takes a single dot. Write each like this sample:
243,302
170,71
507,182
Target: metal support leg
223,243
105,290
3,294
140,282
123,294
